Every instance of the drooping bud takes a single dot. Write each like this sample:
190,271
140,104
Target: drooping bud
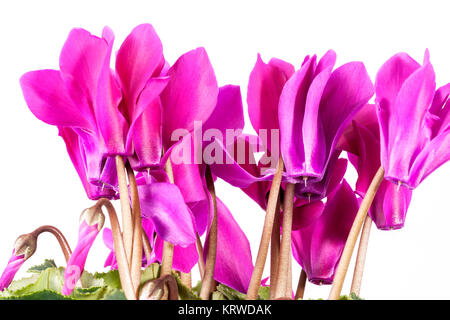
93,216
25,245
91,222
24,248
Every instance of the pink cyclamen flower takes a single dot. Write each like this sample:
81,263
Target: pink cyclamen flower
91,222
315,106
24,248
361,140
75,97
414,120
124,112
318,246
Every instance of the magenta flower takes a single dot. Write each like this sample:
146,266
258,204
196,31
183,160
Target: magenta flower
315,106
361,140
123,113
74,96
318,246
91,222
414,120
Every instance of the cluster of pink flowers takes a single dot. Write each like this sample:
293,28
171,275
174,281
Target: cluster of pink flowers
148,113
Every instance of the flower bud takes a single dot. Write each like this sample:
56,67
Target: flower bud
93,216
25,245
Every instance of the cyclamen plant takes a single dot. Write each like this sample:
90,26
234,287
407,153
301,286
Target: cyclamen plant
157,136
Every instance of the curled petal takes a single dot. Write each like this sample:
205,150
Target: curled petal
318,246
48,99
234,264
165,206
190,95
184,258
264,89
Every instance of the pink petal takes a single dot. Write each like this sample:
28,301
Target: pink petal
190,95
389,80
139,58
291,114
264,89
406,137
234,264
165,206
48,99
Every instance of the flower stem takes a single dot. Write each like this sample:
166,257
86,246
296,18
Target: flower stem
301,285
147,247
255,281
342,268
59,236
136,257
285,247
119,249
167,255
201,262
167,259
186,279
361,256
275,250
210,265
127,218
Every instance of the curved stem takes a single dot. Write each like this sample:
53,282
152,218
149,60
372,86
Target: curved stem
275,250
342,268
127,219
361,256
301,285
201,262
59,236
210,265
167,255
119,249
255,282
285,247
136,257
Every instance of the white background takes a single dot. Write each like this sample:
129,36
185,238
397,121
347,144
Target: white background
38,184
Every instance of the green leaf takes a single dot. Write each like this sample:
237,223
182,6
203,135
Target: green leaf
264,293
184,293
197,288
19,284
51,279
216,295
110,278
48,263
89,280
150,273
229,293
38,295
114,294
353,296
